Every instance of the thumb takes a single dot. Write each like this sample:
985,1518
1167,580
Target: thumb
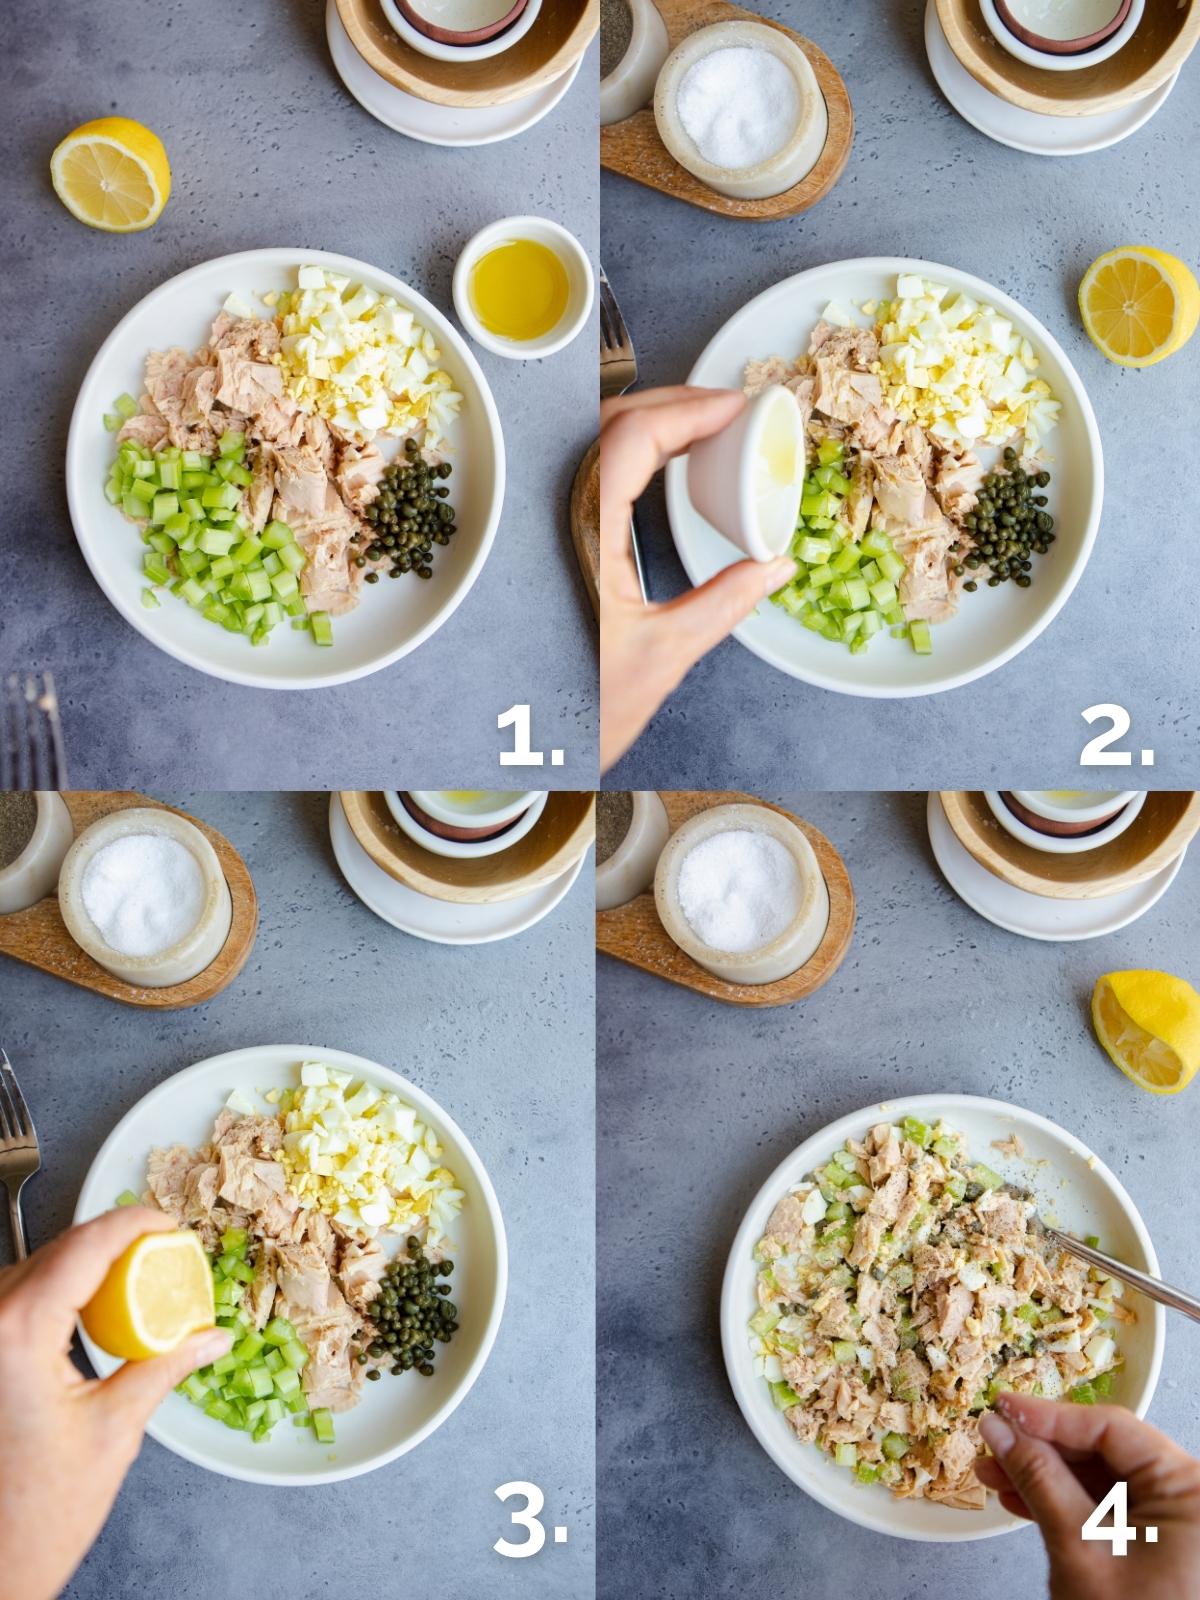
1053,1495
710,613
138,1387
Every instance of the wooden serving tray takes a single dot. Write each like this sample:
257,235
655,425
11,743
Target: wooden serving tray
633,932
585,522
562,833
38,936
560,35
1166,824
634,149
1162,42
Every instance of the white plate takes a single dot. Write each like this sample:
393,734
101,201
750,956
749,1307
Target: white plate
422,119
393,1415
393,617
1030,131
440,921
1036,916
992,625
1076,1191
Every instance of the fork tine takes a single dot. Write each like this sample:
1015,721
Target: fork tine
31,744
621,333
34,741
12,1089
8,1122
58,772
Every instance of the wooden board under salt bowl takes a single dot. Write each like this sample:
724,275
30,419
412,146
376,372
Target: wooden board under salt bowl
633,932
38,935
633,147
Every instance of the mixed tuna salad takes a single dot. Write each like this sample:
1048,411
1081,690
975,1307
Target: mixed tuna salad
251,467
900,1289
294,1206
900,516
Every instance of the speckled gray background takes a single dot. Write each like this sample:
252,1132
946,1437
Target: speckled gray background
699,1102
268,148
922,182
501,1035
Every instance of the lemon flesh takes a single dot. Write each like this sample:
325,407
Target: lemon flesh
112,174
1149,1024
153,1297
1139,305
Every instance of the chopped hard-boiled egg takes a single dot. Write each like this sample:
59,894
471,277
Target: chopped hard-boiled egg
363,1157
362,360
960,368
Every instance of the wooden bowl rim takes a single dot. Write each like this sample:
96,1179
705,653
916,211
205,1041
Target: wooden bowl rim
968,38
966,810
418,77
355,802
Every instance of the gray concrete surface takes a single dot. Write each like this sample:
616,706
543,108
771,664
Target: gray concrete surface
502,1036
922,182
698,1102
268,148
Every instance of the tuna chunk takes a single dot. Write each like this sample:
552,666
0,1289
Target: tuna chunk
300,481
844,395
357,475
900,491
244,385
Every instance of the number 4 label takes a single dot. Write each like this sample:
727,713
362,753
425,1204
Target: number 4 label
1120,1533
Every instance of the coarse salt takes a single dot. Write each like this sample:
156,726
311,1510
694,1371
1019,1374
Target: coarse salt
739,890
144,892
739,106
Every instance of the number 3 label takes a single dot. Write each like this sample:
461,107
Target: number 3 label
526,1517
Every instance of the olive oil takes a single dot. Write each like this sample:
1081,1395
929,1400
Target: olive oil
519,289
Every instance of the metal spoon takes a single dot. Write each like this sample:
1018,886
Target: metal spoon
1153,1288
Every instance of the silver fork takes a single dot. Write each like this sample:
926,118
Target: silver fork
31,741
20,1154
618,372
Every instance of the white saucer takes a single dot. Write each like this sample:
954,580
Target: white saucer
1032,915
433,124
1030,130
440,921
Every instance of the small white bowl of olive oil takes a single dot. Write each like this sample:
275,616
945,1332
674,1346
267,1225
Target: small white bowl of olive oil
523,287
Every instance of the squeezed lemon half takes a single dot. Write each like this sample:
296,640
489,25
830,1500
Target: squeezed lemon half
1139,305
153,1297
1149,1023
112,174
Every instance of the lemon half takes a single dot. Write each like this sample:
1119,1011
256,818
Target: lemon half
112,174
1149,1023
154,1296
1139,305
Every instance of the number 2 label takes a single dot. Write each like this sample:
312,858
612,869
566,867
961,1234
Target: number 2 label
1096,752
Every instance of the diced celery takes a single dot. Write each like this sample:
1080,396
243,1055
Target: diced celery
846,1455
292,558
125,406
866,1472
192,593
894,1446
322,627
295,1355
287,1381
169,474
216,542
271,563
322,1421
128,1198
150,600
829,451
231,443
918,632
277,534
916,1130
279,1331
1083,1394
985,1177
112,421
249,1347
844,1351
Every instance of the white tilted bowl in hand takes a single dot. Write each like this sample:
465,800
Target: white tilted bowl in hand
722,477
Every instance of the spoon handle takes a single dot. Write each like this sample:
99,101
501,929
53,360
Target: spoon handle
1153,1288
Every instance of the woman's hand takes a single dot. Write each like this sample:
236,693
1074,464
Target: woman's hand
647,650
69,1440
1054,1463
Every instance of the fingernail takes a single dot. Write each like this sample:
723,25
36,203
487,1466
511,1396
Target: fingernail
213,1346
781,571
997,1435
